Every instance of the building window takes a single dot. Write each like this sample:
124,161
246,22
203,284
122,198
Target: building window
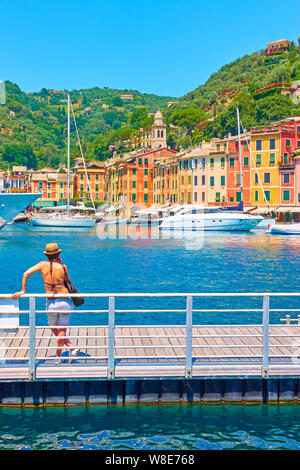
195,180
238,179
256,196
189,179
212,181
256,178
222,162
145,184
285,158
231,162
203,180
238,197
182,180
288,142
246,161
81,176
97,176
134,184
258,159
286,178
272,158
203,196
161,133
134,171
298,144
195,196
272,144
231,199
218,197
97,187
286,195
258,144
267,177
298,197
298,129
268,195
133,197
222,180
146,161
140,161
89,176
145,197
212,162
81,187
146,171
245,146
189,197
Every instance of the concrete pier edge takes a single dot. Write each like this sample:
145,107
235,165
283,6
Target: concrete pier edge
248,391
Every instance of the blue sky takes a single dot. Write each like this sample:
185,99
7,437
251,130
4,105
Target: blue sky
164,47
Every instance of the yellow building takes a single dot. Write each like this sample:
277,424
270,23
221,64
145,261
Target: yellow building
265,158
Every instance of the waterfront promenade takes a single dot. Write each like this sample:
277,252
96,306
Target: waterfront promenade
156,363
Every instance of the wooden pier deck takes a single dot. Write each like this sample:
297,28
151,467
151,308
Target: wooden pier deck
154,352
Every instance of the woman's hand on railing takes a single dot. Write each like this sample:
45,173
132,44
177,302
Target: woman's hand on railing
17,295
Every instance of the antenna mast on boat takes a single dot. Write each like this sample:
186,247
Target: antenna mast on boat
240,154
68,162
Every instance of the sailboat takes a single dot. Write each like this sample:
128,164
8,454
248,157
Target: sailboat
66,220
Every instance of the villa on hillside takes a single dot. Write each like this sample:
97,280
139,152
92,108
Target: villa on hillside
281,45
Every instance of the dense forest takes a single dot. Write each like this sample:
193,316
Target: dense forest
33,125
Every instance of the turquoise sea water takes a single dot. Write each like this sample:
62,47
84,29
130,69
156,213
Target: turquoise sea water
161,427
227,262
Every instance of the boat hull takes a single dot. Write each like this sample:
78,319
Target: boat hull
12,204
285,229
61,222
216,223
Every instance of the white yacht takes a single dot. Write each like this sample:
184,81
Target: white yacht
195,218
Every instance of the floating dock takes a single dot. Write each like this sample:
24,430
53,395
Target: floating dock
153,364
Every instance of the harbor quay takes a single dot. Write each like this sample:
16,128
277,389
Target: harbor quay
184,363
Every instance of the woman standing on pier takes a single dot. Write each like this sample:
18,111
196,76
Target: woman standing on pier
55,274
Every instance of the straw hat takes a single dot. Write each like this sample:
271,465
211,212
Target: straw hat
52,249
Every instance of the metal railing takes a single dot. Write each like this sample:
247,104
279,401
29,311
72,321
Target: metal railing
111,354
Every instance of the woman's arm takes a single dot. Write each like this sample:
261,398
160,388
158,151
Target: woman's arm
26,275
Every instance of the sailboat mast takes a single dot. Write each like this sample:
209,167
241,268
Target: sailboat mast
68,161
240,153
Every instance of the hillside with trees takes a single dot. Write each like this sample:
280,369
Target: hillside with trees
33,125
234,85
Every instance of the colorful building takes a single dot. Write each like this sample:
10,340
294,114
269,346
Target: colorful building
129,178
53,185
272,157
281,45
89,180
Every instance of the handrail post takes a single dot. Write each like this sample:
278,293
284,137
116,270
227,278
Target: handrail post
265,336
189,337
111,338
32,340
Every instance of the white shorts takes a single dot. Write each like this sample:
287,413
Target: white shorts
57,305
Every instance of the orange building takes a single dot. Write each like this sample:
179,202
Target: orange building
129,179
53,185
90,181
234,170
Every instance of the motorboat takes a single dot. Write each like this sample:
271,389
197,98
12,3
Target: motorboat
197,218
